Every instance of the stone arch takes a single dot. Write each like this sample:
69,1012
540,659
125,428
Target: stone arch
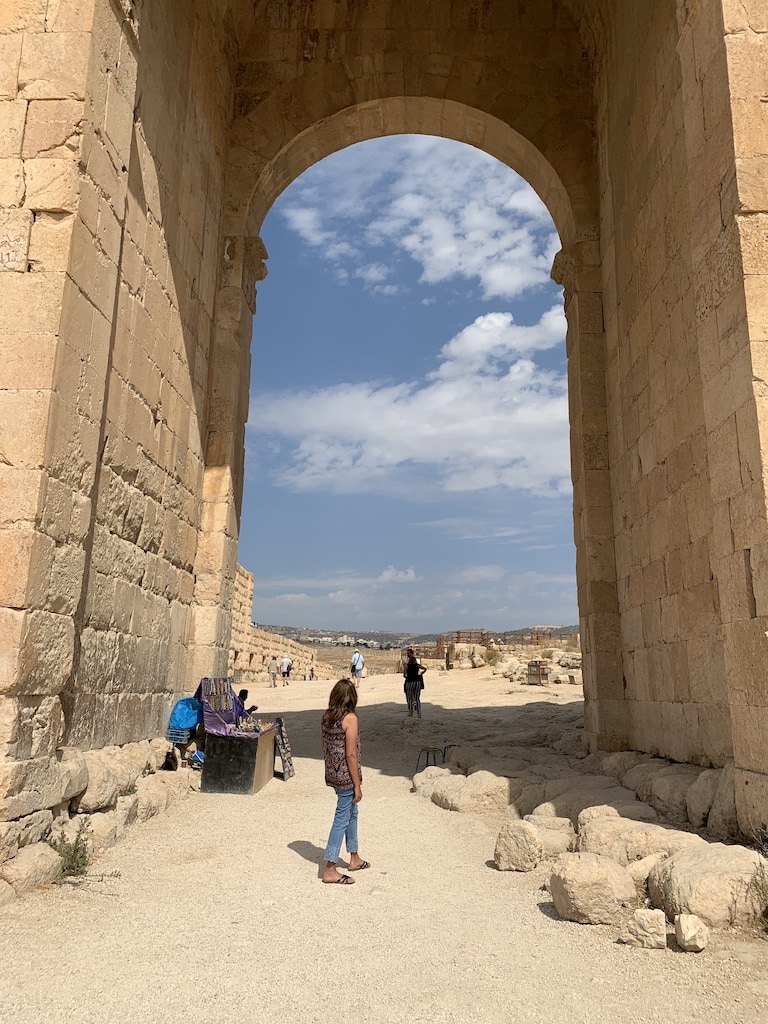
547,137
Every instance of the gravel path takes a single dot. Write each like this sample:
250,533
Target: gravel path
218,914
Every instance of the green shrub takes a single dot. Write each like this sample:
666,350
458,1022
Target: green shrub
74,854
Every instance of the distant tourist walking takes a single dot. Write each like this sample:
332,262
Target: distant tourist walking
340,731
273,669
286,664
356,665
414,683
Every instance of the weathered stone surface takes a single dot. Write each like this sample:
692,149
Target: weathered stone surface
32,867
624,840
481,792
160,747
640,869
591,889
518,847
723,820
556,835
23,832
7,895
691,933
424,782
153,797
103,786
647,929
447,791
669,791
700,797
712,881
28,786
635,810
140,755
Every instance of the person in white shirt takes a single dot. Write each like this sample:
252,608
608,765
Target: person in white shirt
356,666
286,664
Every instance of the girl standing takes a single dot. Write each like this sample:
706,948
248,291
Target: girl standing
340,732
414,683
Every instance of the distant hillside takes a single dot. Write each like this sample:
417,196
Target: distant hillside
387,638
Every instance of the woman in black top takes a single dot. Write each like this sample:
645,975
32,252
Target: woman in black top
414,683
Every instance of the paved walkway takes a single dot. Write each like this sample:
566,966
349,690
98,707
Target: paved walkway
218,916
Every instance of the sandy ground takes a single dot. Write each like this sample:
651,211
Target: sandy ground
218,914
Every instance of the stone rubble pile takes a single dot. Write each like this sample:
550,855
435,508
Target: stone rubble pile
565,666
109,789
631,838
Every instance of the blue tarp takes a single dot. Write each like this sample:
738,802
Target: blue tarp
187,714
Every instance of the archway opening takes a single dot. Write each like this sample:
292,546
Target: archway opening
408,422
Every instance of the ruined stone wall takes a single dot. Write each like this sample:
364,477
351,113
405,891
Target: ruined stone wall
252,647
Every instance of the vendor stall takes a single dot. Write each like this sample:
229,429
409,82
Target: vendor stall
239,749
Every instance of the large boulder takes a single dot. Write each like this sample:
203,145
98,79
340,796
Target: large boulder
625,841
701,796
556,835
591,889
424,782
640,869
140,755
647,929
619,763
124,767
40,783
635,810
640,776
153,797
722,820
518,847
103,785
717,883
482,791
669,790
32,867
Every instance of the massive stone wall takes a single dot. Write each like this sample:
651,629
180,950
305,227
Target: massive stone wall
141,145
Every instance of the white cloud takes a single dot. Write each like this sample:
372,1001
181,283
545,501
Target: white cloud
393,575
457,212
487,417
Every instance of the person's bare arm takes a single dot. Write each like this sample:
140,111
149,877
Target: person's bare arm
351,726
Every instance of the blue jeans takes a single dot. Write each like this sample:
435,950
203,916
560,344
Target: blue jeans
344,825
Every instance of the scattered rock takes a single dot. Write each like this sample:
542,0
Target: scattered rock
669,790
647,929
691,933
23,832
33,866
152,797
482,791
425,781
635,810
591,889
711,880
518,847
640,869
160,747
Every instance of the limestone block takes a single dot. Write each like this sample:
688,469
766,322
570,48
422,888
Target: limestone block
447,792
12,115
483,791
7,895
106,829
591,889
722,821
10,55
32,785
23,832
620,762
54,65
640,869
669,790
141,756
103,787
700,797
69,16
691,933
51,184
556,835
159,747
52,129
128,808
11,179
123,767
49,241
33,300
73,772
15,230
152,797
640,778
634,810
624,840
46,653
424,782
23,16
518,847
646,929
32,867
712,881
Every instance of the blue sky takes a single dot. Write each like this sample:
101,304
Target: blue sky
407,449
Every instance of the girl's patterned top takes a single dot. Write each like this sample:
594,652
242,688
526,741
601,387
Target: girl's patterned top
335,752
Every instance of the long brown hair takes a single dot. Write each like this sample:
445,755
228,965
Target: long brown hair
343,698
